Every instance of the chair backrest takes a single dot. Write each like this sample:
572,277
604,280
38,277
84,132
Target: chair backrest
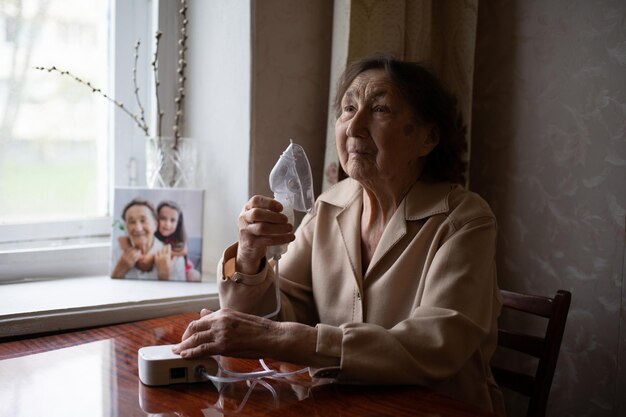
546,348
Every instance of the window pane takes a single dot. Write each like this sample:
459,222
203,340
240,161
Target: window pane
53,130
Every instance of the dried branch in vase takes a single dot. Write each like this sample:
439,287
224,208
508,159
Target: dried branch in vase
136,118
142,113
155,70
139,118
182,63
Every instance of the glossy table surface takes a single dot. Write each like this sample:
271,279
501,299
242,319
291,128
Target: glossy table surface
94,373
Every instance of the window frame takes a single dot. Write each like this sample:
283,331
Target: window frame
63,249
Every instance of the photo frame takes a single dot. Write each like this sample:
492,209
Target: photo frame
157,234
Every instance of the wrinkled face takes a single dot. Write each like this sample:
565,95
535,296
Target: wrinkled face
168,221
377,135
141,225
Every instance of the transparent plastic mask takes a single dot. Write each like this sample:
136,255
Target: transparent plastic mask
292,184
291,179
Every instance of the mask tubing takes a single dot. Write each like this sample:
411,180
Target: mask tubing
276,282
282,374
234,376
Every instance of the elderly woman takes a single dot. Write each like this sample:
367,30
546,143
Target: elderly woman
392,280
146,257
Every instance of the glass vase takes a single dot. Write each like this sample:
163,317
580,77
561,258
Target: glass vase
172,163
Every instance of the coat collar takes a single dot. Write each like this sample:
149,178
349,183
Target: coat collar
423,200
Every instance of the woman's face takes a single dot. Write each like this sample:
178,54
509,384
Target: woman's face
377,135
141,226
168,220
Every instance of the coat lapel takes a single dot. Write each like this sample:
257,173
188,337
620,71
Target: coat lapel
423,200
394,231
349,220
347,197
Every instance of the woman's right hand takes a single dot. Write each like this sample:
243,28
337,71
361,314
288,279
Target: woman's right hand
130,257
261,224
126,262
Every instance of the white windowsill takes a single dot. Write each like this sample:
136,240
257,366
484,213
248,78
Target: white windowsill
71,303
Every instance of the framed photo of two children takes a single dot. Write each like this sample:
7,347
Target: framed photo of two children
157,234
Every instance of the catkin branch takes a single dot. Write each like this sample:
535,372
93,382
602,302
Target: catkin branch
157,83
142,113
140,119
182,64
136,118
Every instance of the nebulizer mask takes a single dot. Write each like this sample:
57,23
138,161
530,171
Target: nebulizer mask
292,184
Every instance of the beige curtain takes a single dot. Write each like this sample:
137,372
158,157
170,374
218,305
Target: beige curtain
439,32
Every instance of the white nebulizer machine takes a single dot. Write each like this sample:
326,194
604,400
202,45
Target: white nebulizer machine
292,184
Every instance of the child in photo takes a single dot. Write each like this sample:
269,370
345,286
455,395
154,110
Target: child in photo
171,231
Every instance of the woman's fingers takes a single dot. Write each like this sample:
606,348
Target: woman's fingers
196,335
225,332
262,216
264,210
131,256
261,224
195,327
264,202
263,228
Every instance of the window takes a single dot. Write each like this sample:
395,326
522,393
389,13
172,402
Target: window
53,131
217,113
57,136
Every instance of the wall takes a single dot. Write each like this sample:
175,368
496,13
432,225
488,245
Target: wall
549,154
219,69
265,67
291,46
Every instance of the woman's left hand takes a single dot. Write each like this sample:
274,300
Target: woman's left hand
230,333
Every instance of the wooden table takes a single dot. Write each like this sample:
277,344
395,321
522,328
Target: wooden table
94,373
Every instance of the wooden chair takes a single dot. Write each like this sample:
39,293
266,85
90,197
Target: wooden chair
546,348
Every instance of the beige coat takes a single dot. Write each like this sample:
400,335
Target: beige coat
424,312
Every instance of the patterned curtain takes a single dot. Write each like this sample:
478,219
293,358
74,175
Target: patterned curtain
441,33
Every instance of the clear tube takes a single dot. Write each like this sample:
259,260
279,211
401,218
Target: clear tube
220,406
235,376
277,287
247,375
277,374
274,314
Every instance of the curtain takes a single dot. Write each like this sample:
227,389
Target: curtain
441,33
